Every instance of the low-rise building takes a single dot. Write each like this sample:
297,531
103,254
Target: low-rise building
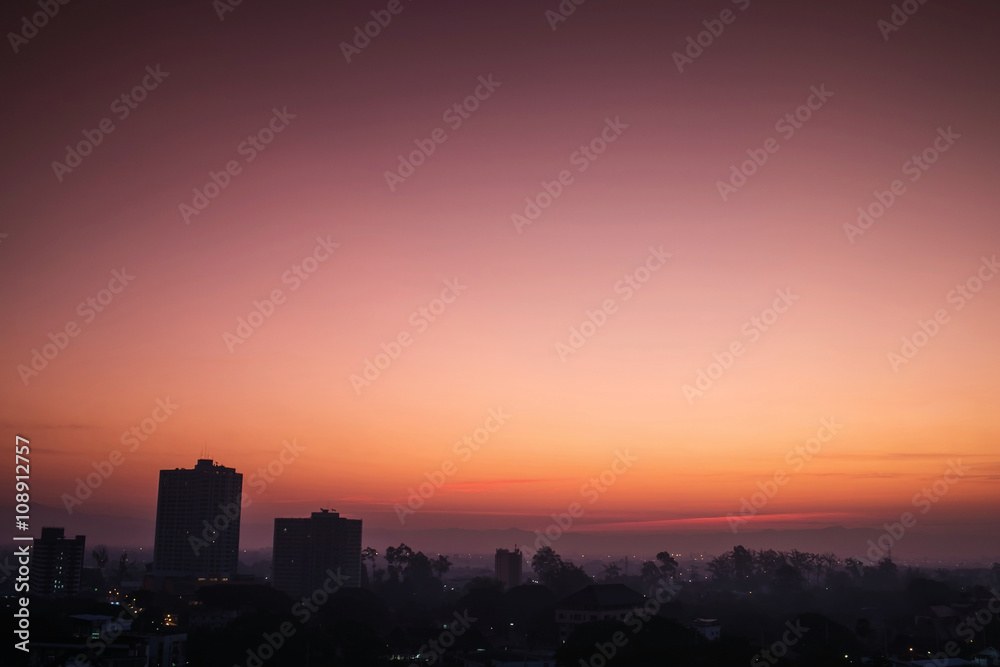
595,603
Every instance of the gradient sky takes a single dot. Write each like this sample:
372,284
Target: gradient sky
495,345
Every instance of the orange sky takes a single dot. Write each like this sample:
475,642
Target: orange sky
495,345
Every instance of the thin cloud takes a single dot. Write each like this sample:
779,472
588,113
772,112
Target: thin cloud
490,484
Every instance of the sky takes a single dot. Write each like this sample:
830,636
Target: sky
646,259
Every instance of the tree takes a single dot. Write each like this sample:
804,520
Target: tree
855,567
612,573
721,567
100,556
560,577
418,568
669,565
396,559
801,560
742,563
570,579
650,574
546,563
390,564
368,553
123,567
440,566
825,563
767,562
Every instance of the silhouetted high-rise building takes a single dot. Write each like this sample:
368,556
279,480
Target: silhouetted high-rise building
57,563
198,521
307,551
508,567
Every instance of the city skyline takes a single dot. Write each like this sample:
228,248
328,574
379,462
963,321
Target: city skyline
224,513
491,263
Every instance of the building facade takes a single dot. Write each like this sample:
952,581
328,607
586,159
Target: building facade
57,563
198,522
596,602
308,553
508,566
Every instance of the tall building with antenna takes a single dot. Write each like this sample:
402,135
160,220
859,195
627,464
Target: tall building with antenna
198,522
508,565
